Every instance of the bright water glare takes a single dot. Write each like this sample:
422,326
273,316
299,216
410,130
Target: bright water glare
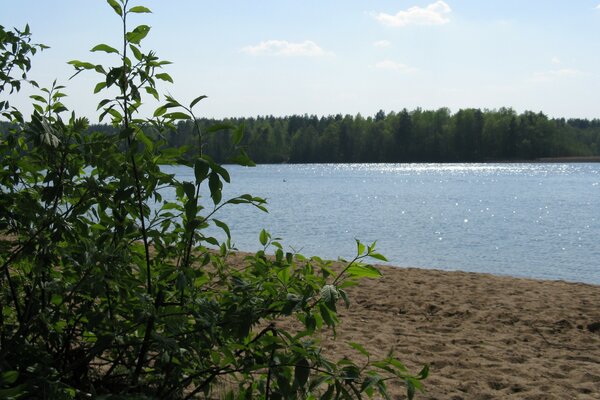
528,220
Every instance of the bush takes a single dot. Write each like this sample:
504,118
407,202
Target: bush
108,290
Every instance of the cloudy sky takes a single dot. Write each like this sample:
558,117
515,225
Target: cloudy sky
279,57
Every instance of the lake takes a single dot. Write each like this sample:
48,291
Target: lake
526,220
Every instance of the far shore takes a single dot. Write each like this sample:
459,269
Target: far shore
547,160
592,159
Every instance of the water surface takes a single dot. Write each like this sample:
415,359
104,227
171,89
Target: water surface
529,220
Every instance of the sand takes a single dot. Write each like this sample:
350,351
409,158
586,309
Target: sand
484,336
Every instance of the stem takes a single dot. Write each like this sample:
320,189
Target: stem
150,323
270,373
8,70
140,205
341,274
11,285
114,365
190,242
134,167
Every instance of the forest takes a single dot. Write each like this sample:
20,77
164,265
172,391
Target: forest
469,135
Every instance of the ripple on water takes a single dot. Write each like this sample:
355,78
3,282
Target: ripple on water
526,213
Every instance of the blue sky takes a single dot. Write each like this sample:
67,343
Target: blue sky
280,57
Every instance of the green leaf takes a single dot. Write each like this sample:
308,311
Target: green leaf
181,282
163,76
105,48
58,107
410,389
326,315
137,34
328,395
360,247
191,209
215,185
160,111
264,237
363,271
330,295
201,169
344,297
177,115
284,277
221,171
8,377
58,95
223,226
171,102
136,52
302,372
56,299
189,189
144,139
38,98
115,5
115,114
103,103
242,159
378,256
150,90
14,393
81,64
424,373
113,75
139,9
311,323
358,347
99,87
196,100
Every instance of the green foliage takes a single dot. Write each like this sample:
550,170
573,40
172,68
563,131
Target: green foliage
110,291
15,51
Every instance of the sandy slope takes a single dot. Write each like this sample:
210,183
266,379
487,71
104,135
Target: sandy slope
485,337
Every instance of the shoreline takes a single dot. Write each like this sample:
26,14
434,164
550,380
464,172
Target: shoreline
591,159
543,160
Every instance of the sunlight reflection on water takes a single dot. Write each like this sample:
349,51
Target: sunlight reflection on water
533,220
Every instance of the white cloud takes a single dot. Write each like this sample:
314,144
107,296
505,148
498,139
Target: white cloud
598,7
394,66
552,75
555,60
306,48
382,43
434,14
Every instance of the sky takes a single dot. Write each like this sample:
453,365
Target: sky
324,57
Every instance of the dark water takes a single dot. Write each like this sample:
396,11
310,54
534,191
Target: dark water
530,220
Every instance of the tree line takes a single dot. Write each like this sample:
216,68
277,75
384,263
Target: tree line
469,135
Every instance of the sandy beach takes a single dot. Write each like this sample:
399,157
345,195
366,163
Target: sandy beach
484,336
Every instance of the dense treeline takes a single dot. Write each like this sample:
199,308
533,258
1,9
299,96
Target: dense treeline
405,136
